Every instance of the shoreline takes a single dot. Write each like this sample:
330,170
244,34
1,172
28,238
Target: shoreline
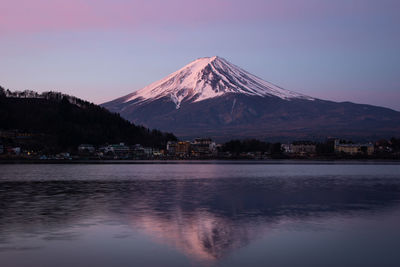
211,161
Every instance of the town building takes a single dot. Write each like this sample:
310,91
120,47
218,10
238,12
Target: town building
86,149
304,147
148,152
299,148
120,150
157,152
202,147
287,148
171,148
353,149
137,151
182,149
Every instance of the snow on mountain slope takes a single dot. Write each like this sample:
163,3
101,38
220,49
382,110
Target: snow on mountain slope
207,78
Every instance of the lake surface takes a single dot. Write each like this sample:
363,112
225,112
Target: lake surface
223,214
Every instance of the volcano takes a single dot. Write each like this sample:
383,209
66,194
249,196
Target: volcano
211,97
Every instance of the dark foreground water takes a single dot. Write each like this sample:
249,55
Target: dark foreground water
200,215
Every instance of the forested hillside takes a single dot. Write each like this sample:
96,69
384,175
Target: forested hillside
63,121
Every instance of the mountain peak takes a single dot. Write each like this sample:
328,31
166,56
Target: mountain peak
212,97
206,59
209,77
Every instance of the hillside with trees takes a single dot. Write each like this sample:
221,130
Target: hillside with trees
57,121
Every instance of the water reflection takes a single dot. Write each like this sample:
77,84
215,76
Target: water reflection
206,219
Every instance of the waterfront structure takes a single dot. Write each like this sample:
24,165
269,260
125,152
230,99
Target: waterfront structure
171,148
287,148
120,150
354,149
148,152
202,147
299,148
303,147
199,147
86,148
182,149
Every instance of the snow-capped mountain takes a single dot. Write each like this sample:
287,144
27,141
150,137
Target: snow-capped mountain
212,97
206,78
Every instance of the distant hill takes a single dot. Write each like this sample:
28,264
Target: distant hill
213,97
62,121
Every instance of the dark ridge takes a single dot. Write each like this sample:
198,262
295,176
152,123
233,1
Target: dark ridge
61,122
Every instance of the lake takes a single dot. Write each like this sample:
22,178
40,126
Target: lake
200,214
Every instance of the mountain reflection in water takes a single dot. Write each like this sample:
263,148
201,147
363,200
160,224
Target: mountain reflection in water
207,219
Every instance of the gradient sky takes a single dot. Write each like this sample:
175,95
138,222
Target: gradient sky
102,49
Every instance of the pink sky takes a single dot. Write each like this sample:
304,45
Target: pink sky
102,49
27,16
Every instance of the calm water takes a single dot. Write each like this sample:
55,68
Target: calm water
200,215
